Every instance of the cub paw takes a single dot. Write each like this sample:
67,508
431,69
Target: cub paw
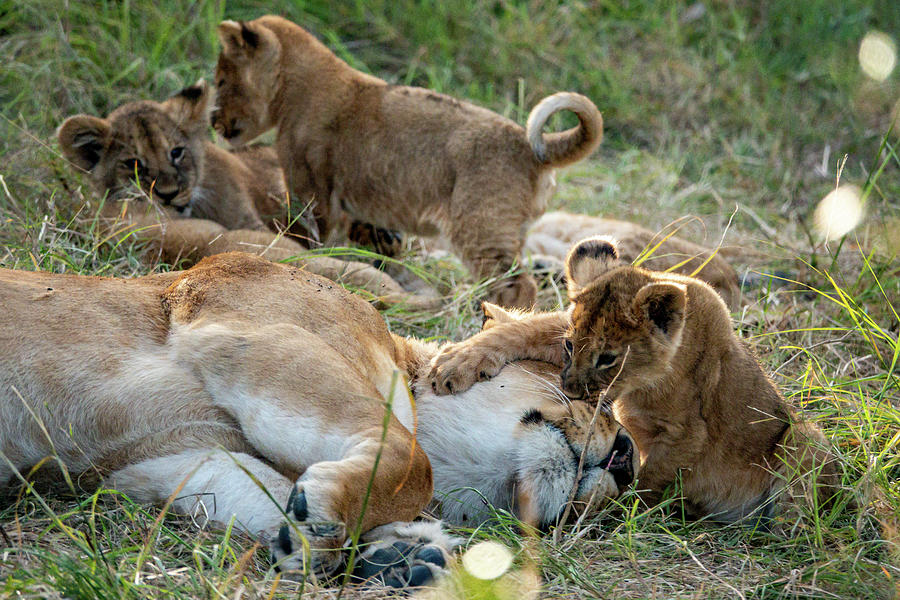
457,367
325,541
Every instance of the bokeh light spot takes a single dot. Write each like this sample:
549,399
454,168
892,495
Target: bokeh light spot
877,55
839,212
487,560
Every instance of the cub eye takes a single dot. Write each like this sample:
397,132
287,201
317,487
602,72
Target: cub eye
570,349
176,154
133,164
605,360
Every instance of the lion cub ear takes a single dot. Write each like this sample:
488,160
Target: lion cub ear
189,108
83,140
662,306
494,315
589,259
240,40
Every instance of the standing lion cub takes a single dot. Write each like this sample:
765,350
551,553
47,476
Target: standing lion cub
397,156
154,166
699,405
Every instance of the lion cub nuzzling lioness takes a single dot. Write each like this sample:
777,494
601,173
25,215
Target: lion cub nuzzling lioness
397,156
662,346
239,365
154,166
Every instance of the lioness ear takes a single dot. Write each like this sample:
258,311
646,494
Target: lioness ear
587,260
83,140
189,108
494,315
662,305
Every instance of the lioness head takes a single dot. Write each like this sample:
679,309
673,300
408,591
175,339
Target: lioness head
626,322
555,438
246,80
154,149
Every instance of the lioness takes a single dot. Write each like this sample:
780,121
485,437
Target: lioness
551,237
173,384
154,165
397,156
662,346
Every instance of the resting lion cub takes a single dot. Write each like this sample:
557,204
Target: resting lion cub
154,165
551,236
185,379
397,156
698,403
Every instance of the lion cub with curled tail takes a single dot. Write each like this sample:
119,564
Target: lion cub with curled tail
698,403
397,156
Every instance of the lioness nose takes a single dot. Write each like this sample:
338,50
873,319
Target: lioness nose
621,464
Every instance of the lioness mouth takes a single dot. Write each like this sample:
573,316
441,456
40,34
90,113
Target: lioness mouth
619,460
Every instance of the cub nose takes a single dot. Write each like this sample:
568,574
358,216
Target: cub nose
571,388
166,195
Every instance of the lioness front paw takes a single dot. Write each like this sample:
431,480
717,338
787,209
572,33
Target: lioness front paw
457,367
325,541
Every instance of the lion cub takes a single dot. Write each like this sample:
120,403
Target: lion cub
698,403
397,156
551,237
155,166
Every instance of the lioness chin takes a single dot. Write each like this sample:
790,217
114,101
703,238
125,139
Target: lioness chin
179,385
153,166
397,156
662,347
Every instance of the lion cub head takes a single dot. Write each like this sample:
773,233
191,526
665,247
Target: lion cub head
143,150
626,322
246,80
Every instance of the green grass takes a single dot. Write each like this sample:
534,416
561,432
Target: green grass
747,104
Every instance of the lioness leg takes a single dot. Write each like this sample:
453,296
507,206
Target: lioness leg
212,484
295,414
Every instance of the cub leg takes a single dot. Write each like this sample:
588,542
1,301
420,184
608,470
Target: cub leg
487,231
536,337
357,274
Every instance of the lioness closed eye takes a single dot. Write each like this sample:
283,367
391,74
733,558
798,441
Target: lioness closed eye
187,379
662,347
397,156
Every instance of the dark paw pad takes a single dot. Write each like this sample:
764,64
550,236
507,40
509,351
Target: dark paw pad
400,565
296,505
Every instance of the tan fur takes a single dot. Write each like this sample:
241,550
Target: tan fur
396,156
697,401
555,232
239,197
284,370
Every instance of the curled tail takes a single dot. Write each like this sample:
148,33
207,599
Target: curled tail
565,147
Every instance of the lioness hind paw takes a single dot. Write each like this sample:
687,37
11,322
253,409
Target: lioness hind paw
400,565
